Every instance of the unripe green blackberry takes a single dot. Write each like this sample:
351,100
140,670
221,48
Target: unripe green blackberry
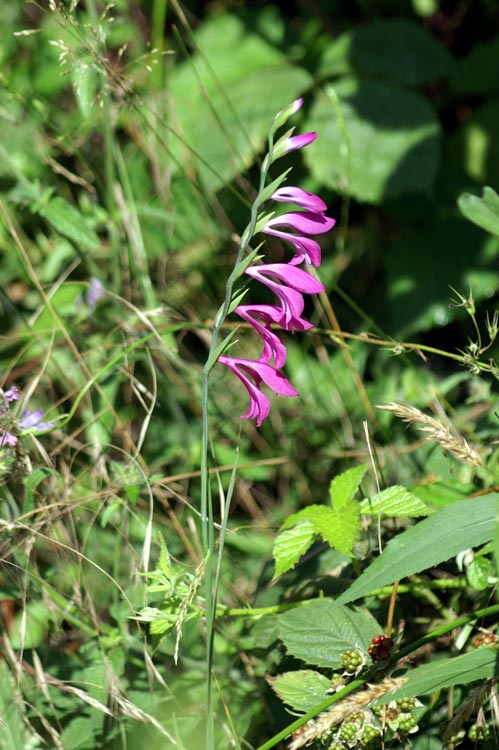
370,738
477,734
351,660
348,731
407,722
406,704
337,681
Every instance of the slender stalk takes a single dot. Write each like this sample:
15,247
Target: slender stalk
108,130
207,517
158,18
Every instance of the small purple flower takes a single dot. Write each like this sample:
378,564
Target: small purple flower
295,281
11,395
247,371
96,291
7,438
32,419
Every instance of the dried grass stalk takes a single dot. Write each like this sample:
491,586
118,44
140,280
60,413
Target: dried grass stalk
316,728
434,430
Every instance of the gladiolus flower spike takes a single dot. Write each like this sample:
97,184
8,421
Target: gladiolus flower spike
288,282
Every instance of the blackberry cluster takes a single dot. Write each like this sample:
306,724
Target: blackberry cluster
337,682
370,738
486,640
405,705
380,648
478,734
407,722
351,660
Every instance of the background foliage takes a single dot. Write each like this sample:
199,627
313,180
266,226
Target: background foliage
130,139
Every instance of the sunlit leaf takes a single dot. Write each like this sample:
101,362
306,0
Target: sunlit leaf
321,631
464,524
302,690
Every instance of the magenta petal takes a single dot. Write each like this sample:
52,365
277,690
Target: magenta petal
259,371
300,197
294,277
273,348
308,250
299,141
306,222
291,299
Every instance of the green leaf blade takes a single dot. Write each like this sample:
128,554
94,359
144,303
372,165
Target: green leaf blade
482,211
321,631
290,545
302,690
345,485
464,524
481,664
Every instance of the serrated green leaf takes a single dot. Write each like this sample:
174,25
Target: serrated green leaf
319,632
481,664
345,485
302,690
11,726
476,73
464,524
336,527
483,211
290,545
478,573
79,734
395,501
68,221
33,633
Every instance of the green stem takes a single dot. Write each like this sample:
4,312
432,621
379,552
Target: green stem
404,588
207,517
158,18
108,130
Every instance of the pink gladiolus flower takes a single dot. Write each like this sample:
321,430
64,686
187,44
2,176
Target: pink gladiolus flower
252,374
260,317
304,222
295,281
299,197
